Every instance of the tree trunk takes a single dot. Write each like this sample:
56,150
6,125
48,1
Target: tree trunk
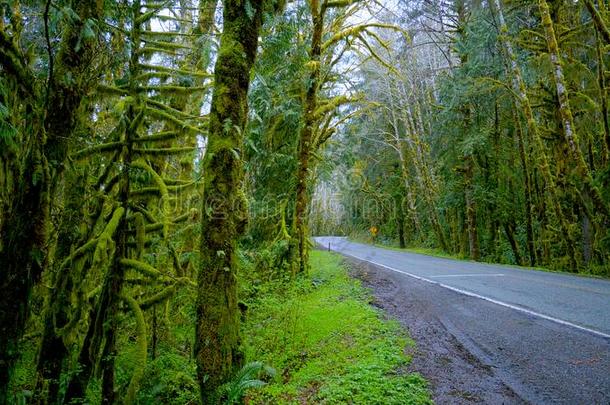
509,230
603,93
400,224
306,143
53,115
471,211
565,111
523,101
527,192
224,211
598,20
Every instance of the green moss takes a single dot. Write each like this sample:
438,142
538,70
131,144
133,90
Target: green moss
141,267
105,244
141,350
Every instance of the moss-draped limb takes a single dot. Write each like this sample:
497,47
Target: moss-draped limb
164,151
155,190
173,71
142,268
598,20
105,240
159,297
162,191
141,345
157,137
104,147
165,116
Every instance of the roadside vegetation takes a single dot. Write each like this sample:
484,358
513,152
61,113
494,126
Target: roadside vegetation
327,344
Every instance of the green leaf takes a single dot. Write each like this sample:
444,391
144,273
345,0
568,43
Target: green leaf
250,11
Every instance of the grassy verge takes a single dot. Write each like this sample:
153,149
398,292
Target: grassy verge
327,344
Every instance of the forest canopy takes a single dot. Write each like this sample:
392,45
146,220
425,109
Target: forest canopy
164,161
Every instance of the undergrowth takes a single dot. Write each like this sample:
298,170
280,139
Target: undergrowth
327,344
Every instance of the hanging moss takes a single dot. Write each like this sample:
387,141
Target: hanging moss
105,244
142,355
143,268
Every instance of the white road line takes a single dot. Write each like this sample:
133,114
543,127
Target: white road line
470,275
470,294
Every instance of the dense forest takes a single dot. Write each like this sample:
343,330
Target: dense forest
490,143
164,164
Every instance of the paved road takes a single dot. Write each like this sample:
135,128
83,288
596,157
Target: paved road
546,335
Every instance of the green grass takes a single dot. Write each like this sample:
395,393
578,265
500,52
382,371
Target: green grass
327,344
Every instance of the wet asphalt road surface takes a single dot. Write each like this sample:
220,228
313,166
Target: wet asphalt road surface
491,333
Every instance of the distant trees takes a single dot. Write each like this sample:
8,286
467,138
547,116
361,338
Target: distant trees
505,101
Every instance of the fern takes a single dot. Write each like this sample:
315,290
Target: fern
249,377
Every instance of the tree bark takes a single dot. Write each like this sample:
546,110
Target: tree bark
598,20
300,255
522,100
565,111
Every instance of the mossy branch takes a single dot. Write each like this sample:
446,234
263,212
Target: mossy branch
164,151
356,31
143,268
162,191
164,116
164,45
141,346
78,253
172,71
104,147
12,60
331,104
159,136
155,190
104,241
159,297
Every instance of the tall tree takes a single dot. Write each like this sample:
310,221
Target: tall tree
224,211
50,108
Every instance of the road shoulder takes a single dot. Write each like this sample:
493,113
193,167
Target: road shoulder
455,375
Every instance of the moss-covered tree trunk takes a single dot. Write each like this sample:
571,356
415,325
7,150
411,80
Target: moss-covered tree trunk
522,99
53,114
527,193
471,210
567,121
306,143
598,20
224,212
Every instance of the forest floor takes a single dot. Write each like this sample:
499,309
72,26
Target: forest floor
328,344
